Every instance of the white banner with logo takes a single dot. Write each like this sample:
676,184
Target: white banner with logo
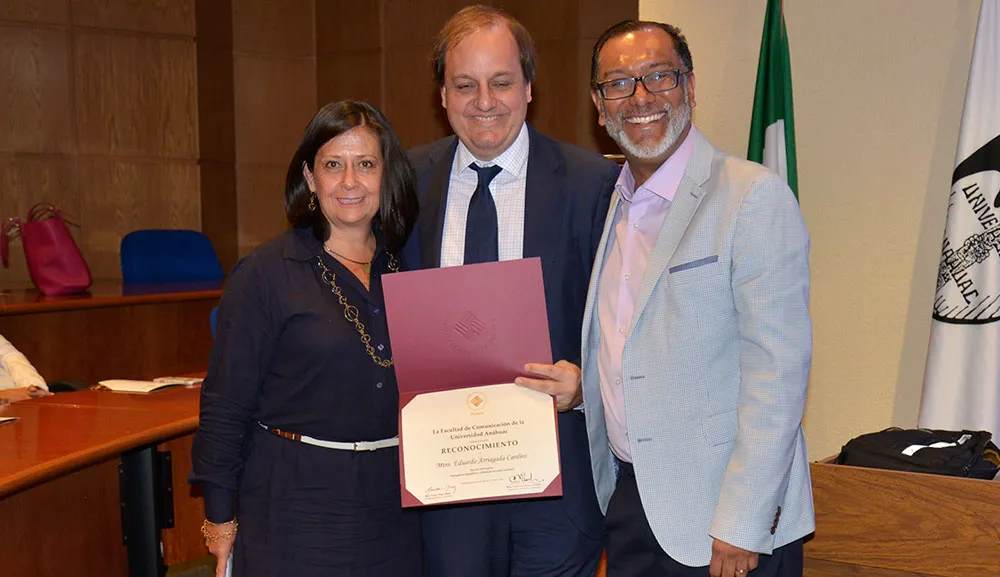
962,381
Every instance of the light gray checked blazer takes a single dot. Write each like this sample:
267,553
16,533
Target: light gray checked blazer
715,365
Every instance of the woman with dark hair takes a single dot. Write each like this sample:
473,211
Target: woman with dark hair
297,448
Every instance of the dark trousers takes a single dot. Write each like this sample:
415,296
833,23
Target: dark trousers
633,551
531,538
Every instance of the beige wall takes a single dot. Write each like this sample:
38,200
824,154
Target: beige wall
878,89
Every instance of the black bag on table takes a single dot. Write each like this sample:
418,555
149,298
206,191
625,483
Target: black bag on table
954,453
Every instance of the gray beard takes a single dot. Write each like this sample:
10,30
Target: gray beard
676,123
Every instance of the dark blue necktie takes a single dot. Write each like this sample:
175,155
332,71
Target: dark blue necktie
481,235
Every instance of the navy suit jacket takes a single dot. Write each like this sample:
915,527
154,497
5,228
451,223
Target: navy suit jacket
567,194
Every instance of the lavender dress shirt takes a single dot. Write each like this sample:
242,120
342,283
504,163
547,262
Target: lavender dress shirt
635,227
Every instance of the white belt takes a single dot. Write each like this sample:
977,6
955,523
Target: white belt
338,445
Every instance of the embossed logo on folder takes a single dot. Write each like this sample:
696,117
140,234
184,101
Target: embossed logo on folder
470,326
470,333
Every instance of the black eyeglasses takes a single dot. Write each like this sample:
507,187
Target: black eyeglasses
659,81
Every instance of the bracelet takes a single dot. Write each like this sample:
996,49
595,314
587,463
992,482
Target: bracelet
210,538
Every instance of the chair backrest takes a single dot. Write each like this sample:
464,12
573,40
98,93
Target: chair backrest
212,316
159,255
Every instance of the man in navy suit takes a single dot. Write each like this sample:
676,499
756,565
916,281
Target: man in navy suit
499,190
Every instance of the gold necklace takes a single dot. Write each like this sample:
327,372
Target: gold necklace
351,311
349,259
365,266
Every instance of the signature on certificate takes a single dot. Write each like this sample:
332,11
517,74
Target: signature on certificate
523,477
439,491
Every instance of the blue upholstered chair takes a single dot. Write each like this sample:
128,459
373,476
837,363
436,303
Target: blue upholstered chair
158,255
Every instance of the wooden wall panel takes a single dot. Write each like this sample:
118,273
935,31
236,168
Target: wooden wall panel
595,16
349,51
353,75
261,211
556,22
214,24
553,107
412,100
216,120
88,543
126,195
231,84
26,180
218,209
275,28
136,95
415,24
217,127
160,16
275,98
48,11
105,79
34,90
347,25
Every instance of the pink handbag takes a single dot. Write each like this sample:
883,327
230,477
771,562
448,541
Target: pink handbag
56,264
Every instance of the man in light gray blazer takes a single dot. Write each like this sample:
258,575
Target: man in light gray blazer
696,337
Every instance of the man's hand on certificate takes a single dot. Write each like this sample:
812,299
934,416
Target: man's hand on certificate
561,380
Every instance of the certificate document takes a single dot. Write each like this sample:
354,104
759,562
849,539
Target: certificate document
460,336
479,443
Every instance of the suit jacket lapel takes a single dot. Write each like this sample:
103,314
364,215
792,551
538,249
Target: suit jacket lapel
433,208
544,195
595,277
689,195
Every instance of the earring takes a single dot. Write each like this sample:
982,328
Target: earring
312,202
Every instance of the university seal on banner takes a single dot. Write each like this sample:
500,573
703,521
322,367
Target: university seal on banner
968,284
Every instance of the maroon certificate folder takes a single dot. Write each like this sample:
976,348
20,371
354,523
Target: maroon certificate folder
460,335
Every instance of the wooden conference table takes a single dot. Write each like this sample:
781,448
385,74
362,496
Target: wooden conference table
82,472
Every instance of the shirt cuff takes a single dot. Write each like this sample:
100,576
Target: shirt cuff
220,506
